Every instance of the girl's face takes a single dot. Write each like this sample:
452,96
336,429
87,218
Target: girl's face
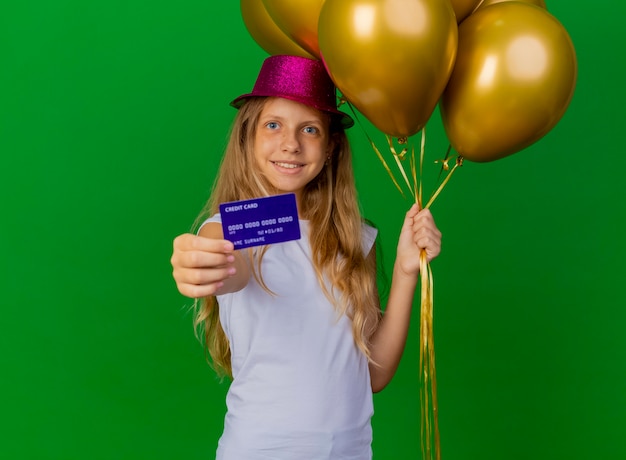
291,144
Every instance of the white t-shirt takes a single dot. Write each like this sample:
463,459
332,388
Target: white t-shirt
301,387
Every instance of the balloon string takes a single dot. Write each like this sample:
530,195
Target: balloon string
429,405
367,136
459,162
428,394
399,157
387,168
416,187
417,183
444,162
430,438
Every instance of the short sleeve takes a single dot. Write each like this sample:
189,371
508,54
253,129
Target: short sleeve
214,218
368,237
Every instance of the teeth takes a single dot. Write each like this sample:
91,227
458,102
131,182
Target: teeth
286,165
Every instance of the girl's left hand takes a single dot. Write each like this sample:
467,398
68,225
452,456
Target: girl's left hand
418,233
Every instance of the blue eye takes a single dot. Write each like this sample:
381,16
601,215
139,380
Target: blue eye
311,130
272,125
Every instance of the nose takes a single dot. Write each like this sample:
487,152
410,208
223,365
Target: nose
290,142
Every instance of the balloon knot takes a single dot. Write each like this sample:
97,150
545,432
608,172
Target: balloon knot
402,140
444,163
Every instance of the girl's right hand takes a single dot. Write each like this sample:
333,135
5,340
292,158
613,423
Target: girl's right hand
201,265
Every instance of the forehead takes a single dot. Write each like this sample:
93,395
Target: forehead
278,106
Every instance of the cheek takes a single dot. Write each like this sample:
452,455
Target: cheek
321,163
264,144
260,148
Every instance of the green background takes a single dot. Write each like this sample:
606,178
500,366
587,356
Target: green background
113,116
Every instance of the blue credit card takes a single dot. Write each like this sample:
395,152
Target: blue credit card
259,221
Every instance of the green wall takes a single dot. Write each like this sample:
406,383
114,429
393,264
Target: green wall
113,116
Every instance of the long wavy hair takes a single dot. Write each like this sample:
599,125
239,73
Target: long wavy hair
330,204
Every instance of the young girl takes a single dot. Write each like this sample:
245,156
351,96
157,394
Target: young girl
298,324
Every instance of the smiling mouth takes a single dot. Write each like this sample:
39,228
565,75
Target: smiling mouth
287,165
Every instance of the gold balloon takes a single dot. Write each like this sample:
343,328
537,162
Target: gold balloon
484,3
463,8
265,32
513,79
390,58
298,20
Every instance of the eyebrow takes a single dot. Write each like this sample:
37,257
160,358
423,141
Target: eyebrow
279,117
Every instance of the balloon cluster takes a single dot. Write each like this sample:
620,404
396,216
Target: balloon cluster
502,71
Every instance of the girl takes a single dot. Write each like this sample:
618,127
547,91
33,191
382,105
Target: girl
298,324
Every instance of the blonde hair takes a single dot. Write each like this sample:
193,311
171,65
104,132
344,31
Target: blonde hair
330,204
